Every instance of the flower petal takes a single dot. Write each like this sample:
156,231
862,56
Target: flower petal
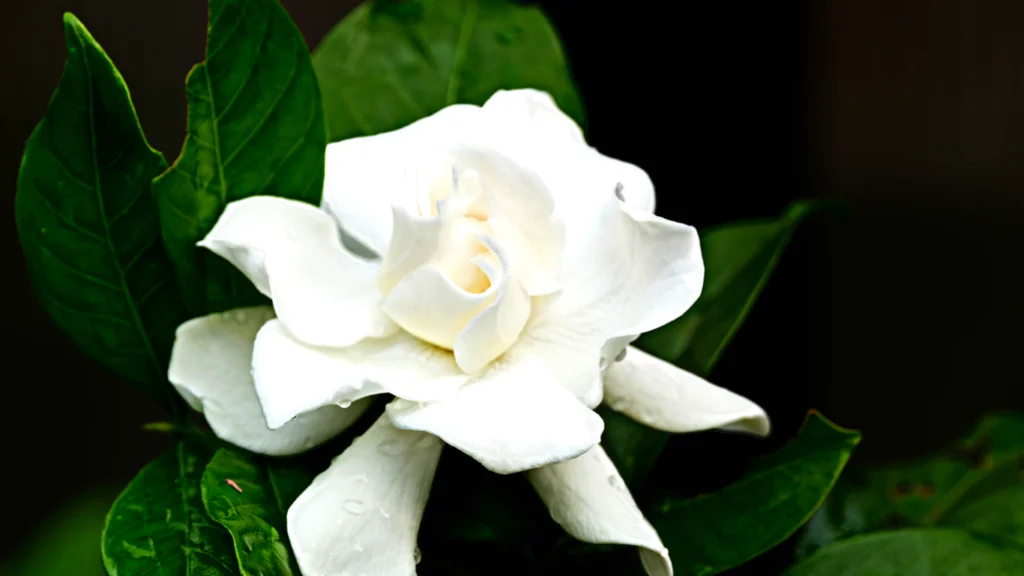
361,516
366,176
662,396
496,327
292,252
293,378
589,499
516,416
533,114
210,367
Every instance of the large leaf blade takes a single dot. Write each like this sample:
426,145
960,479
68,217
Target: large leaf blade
714,532
250,498
158,524
255,127
914,552
88,225
969,485
389,63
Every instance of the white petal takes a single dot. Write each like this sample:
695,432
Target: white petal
292,252
516,416
292,377
636,190
534,113
497,327
415,241
589,499
366,176
668,398
362,515
521,211
210,367
636,272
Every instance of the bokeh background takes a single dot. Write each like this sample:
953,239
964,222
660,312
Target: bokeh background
900,317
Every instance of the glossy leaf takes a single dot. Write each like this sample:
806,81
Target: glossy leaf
255,127
250,497
972,484
88,224
389,63
158,524
739,258
914,552
714,532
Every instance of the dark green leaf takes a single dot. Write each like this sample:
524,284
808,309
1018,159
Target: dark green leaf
713,532
88,224
970,485
738,260
389,63
255,127
914,552
158,524
255,513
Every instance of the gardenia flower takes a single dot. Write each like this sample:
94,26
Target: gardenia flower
489,269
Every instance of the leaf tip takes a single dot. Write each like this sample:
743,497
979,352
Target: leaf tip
813,415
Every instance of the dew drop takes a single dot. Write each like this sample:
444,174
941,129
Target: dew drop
390,447
417,555
361,478
615,481
621,355
618,191
345,403
354,506
383,512
357,547
602,363
239,316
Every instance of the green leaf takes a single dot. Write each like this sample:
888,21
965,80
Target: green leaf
158,524
389,63
714,532
738,260
970,485
914,552
255,513
255,127
88,225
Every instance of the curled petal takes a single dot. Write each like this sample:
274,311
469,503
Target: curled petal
293,378
292,252
665,397
514,417
210,367
366,176
361,516
589,499
535,116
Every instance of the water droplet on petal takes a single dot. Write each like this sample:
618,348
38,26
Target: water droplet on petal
361,478
239,316
615,481
354,506
345,403
618,191
602,363
390,447
621,355
383,512
417,555
357,547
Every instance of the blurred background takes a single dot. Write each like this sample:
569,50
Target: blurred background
899,318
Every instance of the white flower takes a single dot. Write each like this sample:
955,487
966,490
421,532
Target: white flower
489,271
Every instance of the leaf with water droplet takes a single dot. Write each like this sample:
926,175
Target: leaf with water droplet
88,224
256,516
158,525
255,127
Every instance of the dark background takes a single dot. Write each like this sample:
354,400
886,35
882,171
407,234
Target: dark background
900,319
